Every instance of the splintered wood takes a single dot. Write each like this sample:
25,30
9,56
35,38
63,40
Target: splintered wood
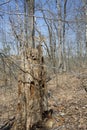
31,89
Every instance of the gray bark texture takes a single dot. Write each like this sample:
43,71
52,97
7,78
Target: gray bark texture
29,23
60,37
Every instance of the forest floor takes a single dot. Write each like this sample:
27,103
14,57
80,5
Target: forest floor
66,96
68,99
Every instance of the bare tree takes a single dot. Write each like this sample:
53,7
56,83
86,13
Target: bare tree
60,38
85,7
29,22
64,36
32,81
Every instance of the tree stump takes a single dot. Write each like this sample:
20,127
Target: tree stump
32,101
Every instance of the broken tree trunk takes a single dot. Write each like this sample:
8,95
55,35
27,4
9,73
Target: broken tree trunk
32,101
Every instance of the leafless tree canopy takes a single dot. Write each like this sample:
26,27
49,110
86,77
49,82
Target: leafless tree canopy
41,41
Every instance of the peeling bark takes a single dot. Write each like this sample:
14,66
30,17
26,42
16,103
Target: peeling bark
32,101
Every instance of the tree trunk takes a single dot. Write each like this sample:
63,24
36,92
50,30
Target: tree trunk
86,24
60,44
29,23
32,101
64,50
85,5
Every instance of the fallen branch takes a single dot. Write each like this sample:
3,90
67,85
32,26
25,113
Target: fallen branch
8,125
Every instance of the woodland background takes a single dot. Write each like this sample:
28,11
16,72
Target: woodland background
60,27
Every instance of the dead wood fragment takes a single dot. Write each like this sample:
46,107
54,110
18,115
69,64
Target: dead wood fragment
8,125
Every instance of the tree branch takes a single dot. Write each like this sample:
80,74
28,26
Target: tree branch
5,2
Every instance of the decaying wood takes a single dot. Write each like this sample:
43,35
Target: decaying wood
32,101
46,123
8,125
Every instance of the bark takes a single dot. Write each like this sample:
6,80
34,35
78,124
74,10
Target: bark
32,101
64,50
86,24
85,11
29,23
60,53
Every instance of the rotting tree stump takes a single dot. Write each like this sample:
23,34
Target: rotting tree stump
32,99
